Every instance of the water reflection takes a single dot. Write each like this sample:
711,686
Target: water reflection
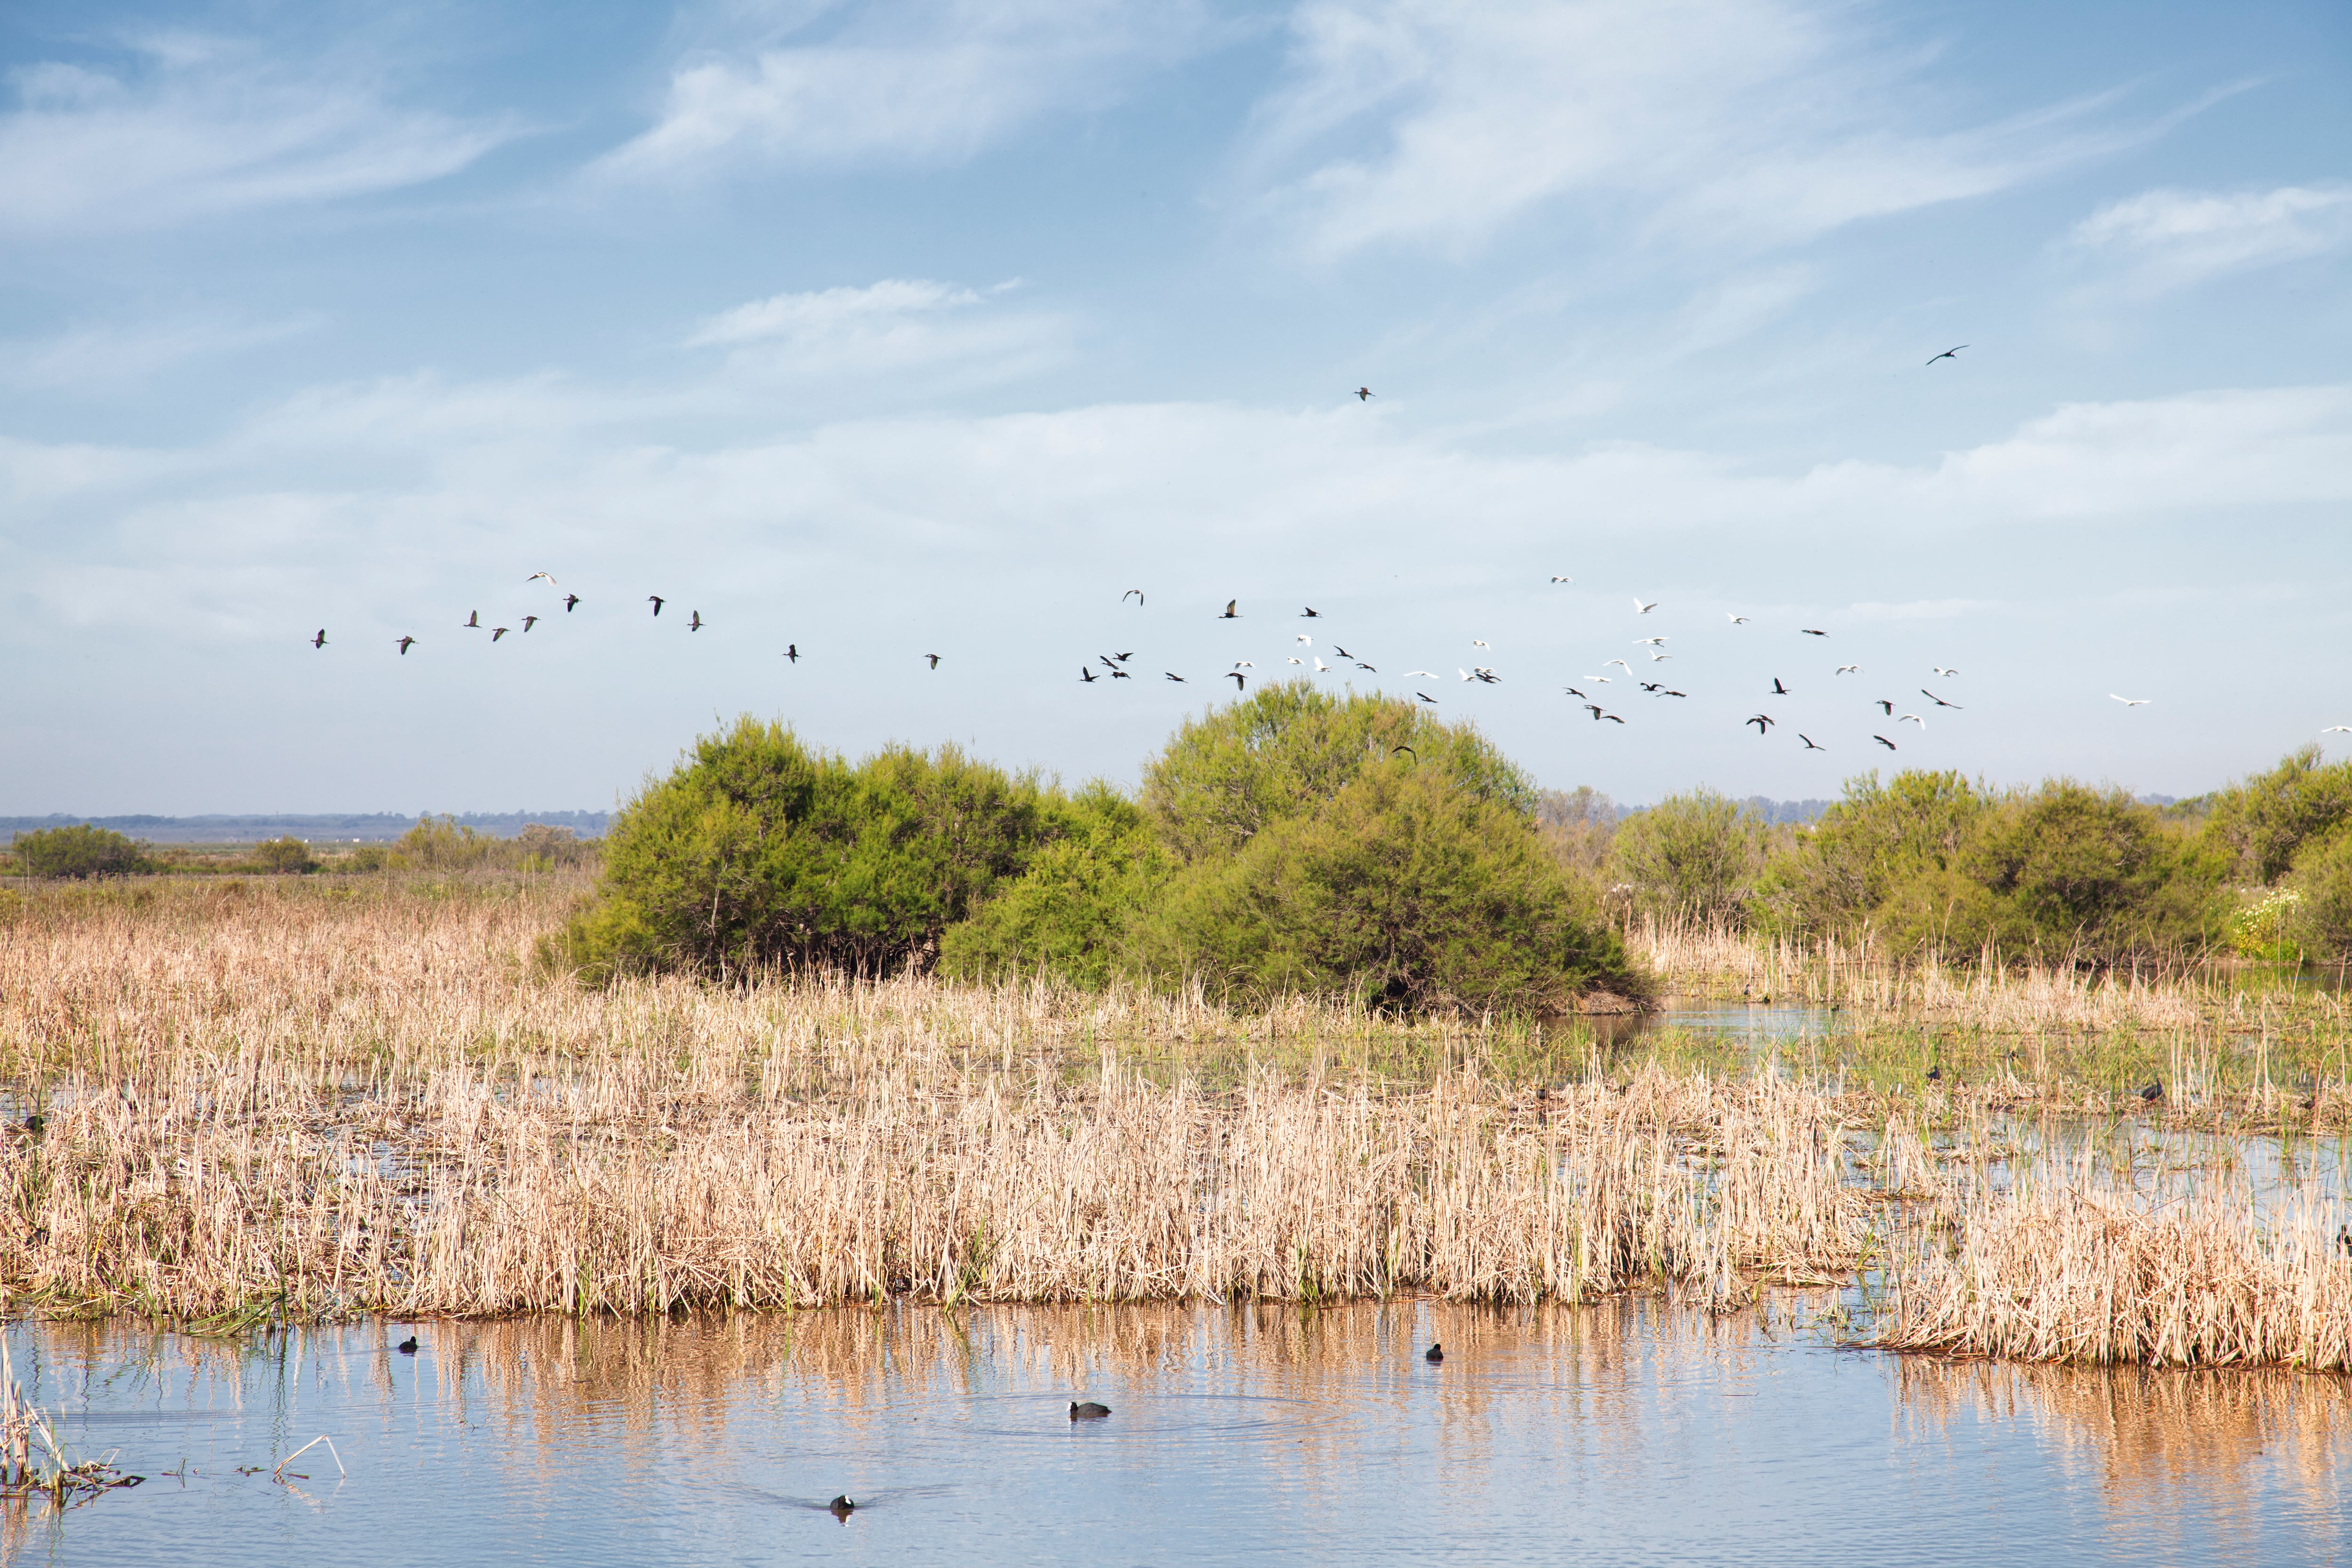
1627,1433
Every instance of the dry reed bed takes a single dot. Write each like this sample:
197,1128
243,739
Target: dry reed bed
298,1101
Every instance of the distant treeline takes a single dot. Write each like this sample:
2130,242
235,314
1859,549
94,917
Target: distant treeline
363,827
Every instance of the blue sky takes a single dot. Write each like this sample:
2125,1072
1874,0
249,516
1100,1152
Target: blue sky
889,331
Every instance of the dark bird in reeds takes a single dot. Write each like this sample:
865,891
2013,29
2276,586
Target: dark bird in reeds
320,641
33,1123
656,601
843,1506
570,602
1087,1410
407,1346
1230,614
405,644
2344,1239
1885,742
2154,1092
934,658
1950,352
1935,1074
473,620
1434,1354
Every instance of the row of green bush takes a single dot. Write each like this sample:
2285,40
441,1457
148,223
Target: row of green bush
1296,842
1935,862
435,844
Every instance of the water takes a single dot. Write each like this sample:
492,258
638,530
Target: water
1629,1433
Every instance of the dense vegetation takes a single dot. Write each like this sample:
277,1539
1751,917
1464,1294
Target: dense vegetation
79,851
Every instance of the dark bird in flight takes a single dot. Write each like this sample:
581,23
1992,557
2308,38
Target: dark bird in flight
1671,692
1779,689
1654,686
1117,674
320,641
1122,658
1373,668
1343,653
1594,709
1884,741
1940,702
570,602
405,642
1885,706
658,602
695,625
1173,675
1425,697
528,622
474,619
1087,674
1311,612
1230,614
1139,598
407,1346
1406,751
1573,692
1812,632
1948,352
497,632
1365,395
1808,740
1107,661
1763,722
1237,678
541,576
1087,1410
1613,717
934,658
793,651
1434,1354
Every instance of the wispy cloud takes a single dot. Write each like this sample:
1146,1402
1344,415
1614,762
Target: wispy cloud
929,83
115,353
189,128
897,324
2166,239
1759,121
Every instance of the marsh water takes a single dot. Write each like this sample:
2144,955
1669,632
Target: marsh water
1632,1432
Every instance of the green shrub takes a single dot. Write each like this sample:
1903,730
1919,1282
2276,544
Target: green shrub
1886,858
79,851
1410,889
2091,873
2266,928
2259,823
1693,856
1578,826
369,858
288,856
1069,915
443,844
2321,880
757,851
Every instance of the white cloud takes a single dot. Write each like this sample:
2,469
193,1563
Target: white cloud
196,127
897,324
2168,240
1432,123
114,353
931,83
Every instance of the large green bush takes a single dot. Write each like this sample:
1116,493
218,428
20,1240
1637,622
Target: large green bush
2261,822
2321,885
1694,856
757,851
288,856
79,851
1886,856
1072,913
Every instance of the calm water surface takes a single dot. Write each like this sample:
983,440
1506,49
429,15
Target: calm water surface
1632,1433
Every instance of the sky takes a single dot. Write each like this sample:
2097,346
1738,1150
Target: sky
878,331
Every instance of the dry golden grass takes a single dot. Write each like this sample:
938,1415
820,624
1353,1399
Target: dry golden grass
298,1100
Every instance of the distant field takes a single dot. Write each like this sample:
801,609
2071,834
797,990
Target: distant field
367,827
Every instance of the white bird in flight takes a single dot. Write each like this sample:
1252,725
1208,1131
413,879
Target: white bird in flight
2133,701
1557,579
2337,730
1321,667
1939,670
1736,620
1849,669
1915,719
1653,642
1431,673
1306,641
1620,664
1478,642
1642,609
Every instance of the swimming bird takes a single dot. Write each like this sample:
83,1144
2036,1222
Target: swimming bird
528,622
319,641
1940,702
1884,741
843,1507
1763,722
497,632
658,602
1434,1354
407,1346
1087,1410
1808,740
1849,669
1230,614
405,644
570,602
1365,395
474,620
2133,701
1237,678
934,658
793,651
695,624
1948,352
1810,632
1642,609
1138,593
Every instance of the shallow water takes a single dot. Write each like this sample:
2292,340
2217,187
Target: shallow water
1631,1433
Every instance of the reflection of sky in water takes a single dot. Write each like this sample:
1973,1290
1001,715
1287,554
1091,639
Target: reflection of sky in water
1622,1434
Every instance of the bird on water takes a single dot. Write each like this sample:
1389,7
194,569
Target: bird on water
1434,1354
1087,1410
407,1346
843,1506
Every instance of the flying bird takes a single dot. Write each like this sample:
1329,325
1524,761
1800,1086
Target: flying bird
1915,719
1123,657
1572,690
474,620
1343,653
1243,664
1431,673
1477,642
1642,609
1173,675
1557,579
1657,657
1365,395
1763,722
319,641
2337,730
570,602
1594,709
1230,614
1849,669
934,658
1425,697
1613,717
1672,693
2133,701
1237,678
1654,686
1948,352
528,622
1618,663
793,651
1812,632
1779,689
1310,613
1290,661
497,632
1086,673
1736,620
1808,740
1939,670
658,602
1884,741
1652,642
405,644
1404,751
1373,668
1118,674
547,578
1940,702
1885,706
1138,593
696,624
1303,640
1321,667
